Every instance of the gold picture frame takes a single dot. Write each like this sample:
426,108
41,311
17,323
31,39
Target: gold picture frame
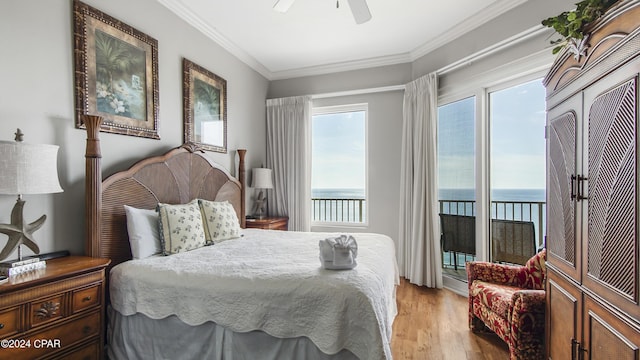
205,107
116,73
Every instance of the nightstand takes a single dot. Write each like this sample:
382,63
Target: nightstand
269,223
55,313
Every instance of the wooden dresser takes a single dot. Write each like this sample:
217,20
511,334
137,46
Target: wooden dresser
593,266
55,313
269,223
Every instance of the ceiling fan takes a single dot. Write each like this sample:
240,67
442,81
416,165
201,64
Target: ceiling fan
359,9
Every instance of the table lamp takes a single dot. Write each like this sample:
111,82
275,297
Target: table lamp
261,179
25,169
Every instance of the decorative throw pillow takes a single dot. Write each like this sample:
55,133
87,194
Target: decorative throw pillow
180,227
220,221
142,226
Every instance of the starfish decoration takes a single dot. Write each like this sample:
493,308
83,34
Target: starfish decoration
20,233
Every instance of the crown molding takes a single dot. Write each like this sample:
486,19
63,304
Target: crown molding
491,12
497,47
186,14
194,20
342,66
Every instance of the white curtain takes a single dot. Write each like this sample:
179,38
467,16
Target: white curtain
419,256
288,154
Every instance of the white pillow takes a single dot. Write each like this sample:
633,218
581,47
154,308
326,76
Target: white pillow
142,226
220,221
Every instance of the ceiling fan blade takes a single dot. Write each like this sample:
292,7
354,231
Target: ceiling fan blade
360,11
283,5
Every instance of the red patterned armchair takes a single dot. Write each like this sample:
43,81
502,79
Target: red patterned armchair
510,301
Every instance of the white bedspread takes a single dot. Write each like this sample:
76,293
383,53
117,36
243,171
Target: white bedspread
271,281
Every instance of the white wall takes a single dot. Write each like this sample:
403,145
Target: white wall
36,94
385,109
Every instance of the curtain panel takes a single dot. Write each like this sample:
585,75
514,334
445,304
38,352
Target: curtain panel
288,155
419,256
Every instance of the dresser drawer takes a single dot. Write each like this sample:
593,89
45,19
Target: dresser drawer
46,342
9,322
85,298
44,311
87,352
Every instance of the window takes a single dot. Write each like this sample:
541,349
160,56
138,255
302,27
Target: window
339,164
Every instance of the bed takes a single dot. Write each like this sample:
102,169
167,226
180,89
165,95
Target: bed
261,295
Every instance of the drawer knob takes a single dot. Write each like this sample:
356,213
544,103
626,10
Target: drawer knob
86,298
47,310
86,329
1,326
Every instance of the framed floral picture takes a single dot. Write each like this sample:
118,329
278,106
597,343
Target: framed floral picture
116,73
205,107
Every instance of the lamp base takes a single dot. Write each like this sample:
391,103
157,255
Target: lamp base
19,232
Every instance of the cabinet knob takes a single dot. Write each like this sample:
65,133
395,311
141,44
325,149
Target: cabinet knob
1,326
86,329
86,298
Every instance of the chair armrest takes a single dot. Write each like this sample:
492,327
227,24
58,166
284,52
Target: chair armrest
528,313
529,301
511,275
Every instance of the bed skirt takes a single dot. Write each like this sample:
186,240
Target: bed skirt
140,337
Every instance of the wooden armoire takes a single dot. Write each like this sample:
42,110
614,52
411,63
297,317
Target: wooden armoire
592,242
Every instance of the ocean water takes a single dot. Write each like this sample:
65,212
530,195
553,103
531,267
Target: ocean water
525,195
337,193
333,209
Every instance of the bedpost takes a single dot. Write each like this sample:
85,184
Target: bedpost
241,175
93,184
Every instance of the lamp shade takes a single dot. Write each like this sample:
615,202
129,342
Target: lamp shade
28,168
261,178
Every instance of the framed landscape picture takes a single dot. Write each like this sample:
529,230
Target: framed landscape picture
205,107
116,73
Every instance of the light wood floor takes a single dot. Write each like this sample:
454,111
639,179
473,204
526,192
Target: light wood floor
432,324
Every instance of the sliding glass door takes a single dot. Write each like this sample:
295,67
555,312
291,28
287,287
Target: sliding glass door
491,163
456,181
517,171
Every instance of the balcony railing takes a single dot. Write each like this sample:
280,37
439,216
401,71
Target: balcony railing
534,211
353,211
338,210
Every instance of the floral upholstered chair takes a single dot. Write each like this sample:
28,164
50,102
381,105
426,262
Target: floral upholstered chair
510,301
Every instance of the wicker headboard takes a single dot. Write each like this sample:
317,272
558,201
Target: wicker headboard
177,177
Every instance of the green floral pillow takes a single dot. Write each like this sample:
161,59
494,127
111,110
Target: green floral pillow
180,228
220,221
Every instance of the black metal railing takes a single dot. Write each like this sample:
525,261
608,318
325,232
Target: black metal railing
338,210
534,211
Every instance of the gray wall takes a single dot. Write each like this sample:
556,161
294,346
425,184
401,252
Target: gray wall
37,96
385,109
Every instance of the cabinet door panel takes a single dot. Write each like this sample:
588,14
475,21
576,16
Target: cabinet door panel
608,337
563,316
612,248
562,243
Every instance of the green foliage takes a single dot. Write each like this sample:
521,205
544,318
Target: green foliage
570,24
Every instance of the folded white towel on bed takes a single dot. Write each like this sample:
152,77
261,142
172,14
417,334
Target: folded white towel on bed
338,253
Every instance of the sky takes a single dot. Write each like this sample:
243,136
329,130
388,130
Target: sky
517,150
338,151
517,117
